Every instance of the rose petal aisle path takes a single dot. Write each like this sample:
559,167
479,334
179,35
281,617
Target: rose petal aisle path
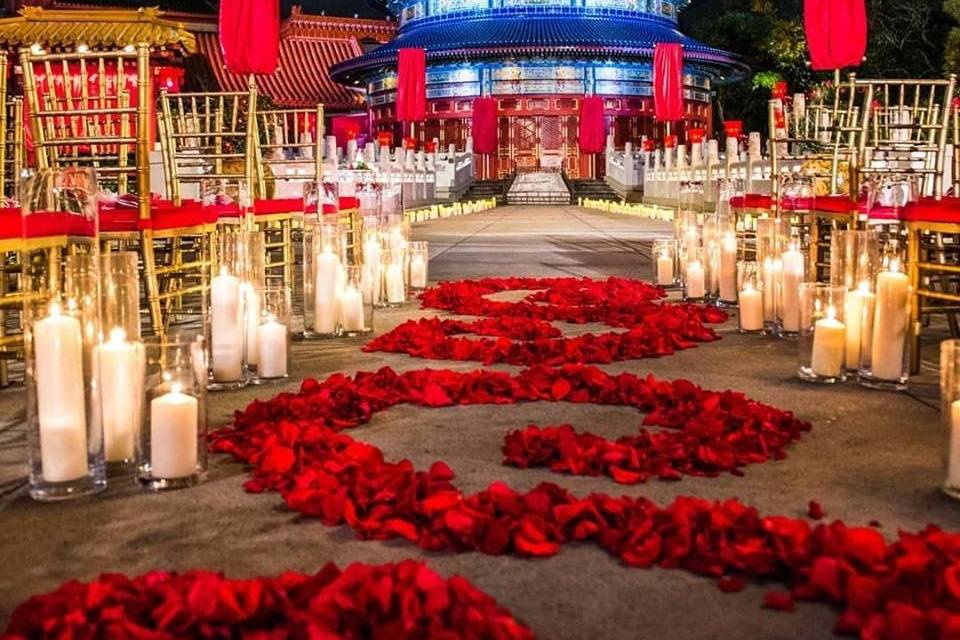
870,457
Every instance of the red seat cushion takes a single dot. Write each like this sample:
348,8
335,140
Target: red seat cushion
11,223
43,224
930,210
280,205
117,217
188,214
835,204
228,210
349,203
751,201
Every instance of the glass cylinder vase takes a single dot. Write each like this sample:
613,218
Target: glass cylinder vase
695,278
173,443
750,299
418,262
120,359
355,312
885,365
322,278
393,286
854,258
226,326
822,336
793,272
950,414
664,262
61,332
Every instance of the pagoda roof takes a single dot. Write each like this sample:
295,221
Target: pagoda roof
552,34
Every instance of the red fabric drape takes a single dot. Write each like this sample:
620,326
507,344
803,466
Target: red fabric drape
412,85
593,125
836,33
484,127
250,35
668,81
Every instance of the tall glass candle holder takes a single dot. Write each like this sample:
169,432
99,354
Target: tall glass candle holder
61,331
695,278
393,287
273,334
792,275
710,247
726,272
950,414
418,262
885,365
355,312
822,337
173,443
750,299
372,253
322,276
688,235
664,262
120,359
854,257
226,327
253,245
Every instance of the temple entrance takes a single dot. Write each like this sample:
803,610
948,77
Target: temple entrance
538,143
524,134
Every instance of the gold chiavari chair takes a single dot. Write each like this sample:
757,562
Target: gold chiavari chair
11,165
92,109
205,138
289,153
819,144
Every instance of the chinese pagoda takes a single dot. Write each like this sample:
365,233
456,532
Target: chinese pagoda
538,58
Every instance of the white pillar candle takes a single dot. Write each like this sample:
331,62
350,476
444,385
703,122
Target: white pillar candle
665,269
418,272
733,150
393,281
829,345
696,284
226,328
351,309
953,463
889,325
272,347
751,309
858,313
792,278
326,270
173,434
120,370
251,310
728,267
58,371
769,282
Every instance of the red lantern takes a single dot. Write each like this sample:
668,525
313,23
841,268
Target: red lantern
733,128
779,90
169,78
385,139
649,144
670,142
410,144
695,136
836,33
430,147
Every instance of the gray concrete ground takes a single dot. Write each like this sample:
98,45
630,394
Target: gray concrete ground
871,456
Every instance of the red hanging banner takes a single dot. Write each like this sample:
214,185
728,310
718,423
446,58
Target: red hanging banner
412,85
593,125
250,35
668,81
484,126
836,33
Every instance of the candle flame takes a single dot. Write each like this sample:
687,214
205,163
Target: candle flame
894,265
864,287
55,309
117,335
223,270
831,313
271,318
176,387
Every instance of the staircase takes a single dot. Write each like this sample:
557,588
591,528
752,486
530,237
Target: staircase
594,189
539,188
485,189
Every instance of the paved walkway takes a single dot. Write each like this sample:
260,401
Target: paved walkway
871,456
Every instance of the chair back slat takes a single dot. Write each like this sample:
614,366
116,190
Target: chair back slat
281,143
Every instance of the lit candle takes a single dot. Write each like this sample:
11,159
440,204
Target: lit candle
829,343
393,281
325,293
751,309
251,310
792,277
226,328
665,269
61,409
370,272
696,284
351,310
770,275
272,347
174,420
728,267
120,370
418,272
858,312
953,464
890,324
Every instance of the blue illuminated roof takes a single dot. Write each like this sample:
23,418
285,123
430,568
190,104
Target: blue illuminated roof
546,34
